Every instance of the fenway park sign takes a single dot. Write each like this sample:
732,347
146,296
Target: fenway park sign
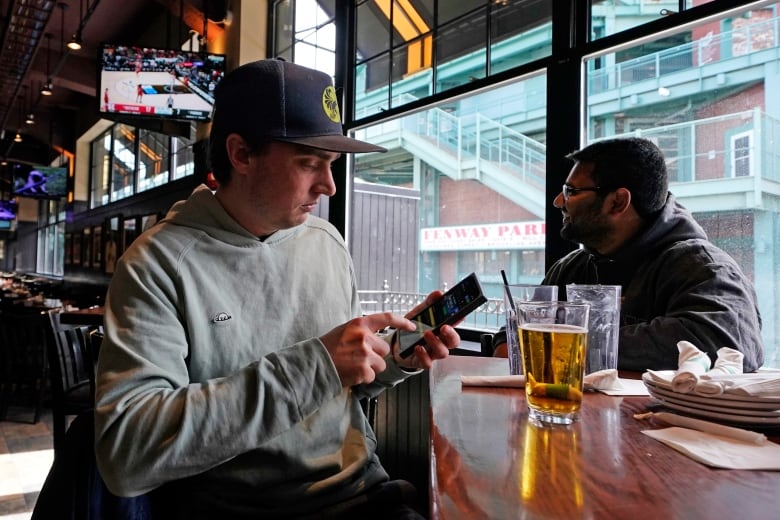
508,235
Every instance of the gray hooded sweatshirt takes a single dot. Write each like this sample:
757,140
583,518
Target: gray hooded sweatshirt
211,377
676,285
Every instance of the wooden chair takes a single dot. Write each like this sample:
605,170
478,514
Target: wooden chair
72,374
23,359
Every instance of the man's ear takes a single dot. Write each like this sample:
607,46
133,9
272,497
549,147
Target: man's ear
619,200
237,152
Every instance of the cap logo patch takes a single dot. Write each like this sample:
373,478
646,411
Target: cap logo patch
331,104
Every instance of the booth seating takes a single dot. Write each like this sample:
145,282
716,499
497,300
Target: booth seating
23,360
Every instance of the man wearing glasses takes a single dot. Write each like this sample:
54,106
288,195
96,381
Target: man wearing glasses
676,285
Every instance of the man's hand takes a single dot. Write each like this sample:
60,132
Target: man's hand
357,351
436,346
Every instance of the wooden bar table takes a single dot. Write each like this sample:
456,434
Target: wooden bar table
92,316
489,462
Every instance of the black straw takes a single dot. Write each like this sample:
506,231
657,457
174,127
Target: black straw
508,292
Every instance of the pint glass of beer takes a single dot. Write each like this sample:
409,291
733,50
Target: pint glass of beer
553,341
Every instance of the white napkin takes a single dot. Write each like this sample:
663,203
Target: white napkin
691,363
720,430
717,451
729,361
606,381
754,385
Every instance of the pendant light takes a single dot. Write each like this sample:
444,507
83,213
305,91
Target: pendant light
75,41
46,90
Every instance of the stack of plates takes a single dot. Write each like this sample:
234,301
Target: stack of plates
737,409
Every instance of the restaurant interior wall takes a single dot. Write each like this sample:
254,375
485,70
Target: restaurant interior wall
90,227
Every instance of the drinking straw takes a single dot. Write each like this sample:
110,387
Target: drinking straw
508,293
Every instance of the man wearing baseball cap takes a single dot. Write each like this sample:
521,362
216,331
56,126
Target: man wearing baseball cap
235,352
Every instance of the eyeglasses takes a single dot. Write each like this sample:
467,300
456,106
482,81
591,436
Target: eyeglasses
568,191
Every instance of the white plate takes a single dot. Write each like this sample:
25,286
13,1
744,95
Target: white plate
725,417
700,401
725,397
658,394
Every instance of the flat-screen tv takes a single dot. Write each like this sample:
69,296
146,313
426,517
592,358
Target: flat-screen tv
40,182
7,210
158,83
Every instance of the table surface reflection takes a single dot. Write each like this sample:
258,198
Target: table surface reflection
489,461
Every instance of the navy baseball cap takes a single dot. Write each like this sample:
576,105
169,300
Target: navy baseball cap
282,101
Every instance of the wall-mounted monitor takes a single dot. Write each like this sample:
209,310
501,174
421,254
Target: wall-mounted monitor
158,83
7,210
40,182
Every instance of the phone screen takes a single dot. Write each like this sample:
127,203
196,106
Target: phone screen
454,305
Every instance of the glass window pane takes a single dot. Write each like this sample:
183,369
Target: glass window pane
371,80
461,189
153,160
182,157
283,27
612,16
124,163
448,11
461,51
519,34
315,37
706,96
373,31
100,168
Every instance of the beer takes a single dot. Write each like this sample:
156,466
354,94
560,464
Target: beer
553,360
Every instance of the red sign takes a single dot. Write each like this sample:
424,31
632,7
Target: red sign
508,235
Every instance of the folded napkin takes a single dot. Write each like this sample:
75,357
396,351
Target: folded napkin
691,363
718,451
754,385
694,369
729,361
606,381
759,384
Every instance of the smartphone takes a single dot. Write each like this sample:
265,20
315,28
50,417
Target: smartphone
453,306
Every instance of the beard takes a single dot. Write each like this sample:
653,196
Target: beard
589,227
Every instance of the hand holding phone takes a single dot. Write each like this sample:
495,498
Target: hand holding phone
454,305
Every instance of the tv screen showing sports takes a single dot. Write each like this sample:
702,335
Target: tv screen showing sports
40,182
7,210
164,83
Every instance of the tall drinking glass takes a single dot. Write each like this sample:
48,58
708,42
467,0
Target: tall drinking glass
553,342
514,295
603,323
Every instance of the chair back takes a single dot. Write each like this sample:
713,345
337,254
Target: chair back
70,356
22,357
72,374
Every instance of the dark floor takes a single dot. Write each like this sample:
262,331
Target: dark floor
25,457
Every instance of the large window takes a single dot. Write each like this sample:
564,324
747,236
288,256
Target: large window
468,180
127,160
51,238
704,94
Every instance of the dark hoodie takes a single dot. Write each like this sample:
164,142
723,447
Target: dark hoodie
676,285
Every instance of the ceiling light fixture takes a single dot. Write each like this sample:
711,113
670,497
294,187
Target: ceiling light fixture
75,41
18,138
46,90
30,120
